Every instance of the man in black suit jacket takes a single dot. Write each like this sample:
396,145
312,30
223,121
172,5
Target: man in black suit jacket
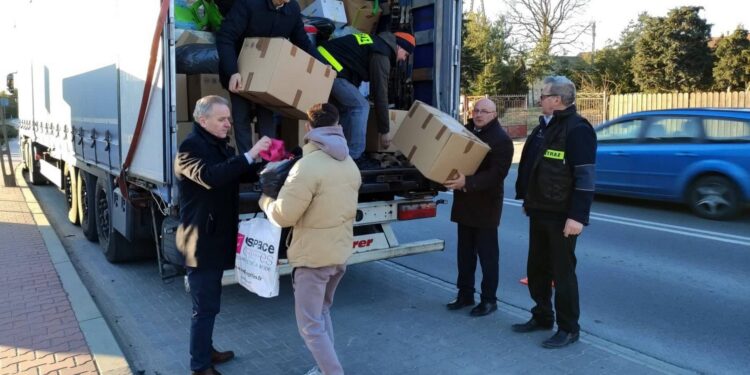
208,176
477,205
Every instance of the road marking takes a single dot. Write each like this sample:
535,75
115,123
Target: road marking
676,229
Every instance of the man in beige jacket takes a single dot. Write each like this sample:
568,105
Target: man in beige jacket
319,200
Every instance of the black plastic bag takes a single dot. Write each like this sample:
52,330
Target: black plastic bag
272,177
197,59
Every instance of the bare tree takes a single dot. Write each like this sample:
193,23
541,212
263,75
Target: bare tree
547,24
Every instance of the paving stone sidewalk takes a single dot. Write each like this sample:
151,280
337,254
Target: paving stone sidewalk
48,322
39,332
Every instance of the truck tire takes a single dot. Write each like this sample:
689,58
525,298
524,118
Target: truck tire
114,245
85,185
70,175
35,175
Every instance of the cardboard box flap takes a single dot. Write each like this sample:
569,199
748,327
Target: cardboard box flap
437,144
283,77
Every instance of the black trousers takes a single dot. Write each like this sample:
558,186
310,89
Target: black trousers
552,258
243,112
205,290
481,242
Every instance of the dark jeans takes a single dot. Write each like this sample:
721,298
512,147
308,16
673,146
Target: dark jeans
481,242
205,289
552,258
243,112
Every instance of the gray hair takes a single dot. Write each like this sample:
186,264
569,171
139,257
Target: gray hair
205,104
562,86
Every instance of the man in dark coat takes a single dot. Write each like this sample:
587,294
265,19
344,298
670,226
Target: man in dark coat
477,205
556,183
250,19
208,175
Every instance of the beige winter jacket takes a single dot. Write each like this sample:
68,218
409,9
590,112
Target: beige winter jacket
319,199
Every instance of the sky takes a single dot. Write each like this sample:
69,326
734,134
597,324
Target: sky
611,18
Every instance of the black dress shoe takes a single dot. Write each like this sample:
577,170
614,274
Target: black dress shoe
218,357
531,326
560,339
208,371
459,303
483,308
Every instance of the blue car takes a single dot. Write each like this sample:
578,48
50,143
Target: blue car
698,156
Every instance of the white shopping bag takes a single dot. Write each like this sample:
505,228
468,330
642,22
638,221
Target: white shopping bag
257,257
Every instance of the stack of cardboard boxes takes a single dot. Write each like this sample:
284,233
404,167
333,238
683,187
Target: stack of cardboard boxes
362,15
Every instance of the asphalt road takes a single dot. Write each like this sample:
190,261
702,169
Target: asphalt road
653,277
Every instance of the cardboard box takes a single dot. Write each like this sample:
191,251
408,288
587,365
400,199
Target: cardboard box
183,130
437,144
182,98
396,117
360,15
332,9
282,77
200,85
194,37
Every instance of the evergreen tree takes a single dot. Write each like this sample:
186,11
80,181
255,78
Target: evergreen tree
732,69
672,54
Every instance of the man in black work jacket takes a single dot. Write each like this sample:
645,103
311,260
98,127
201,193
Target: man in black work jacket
208,176
358,58
252,19
556,183
477,205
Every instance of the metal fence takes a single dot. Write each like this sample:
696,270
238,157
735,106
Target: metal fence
522,110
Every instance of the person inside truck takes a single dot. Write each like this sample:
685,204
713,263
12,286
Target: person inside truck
208,175
477,206
319,201
364,58
248,19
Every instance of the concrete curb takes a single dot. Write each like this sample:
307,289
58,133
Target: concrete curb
105,350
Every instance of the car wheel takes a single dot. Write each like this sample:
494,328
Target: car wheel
714,197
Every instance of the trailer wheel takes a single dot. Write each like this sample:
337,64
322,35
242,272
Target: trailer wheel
113,244
35,175
71,194
85,184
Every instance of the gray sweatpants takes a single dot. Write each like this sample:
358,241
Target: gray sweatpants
313,296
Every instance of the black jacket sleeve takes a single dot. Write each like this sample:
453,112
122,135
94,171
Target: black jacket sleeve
500,158
230,33
380,70
191,163
581,151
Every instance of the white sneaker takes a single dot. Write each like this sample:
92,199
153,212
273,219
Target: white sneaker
314,371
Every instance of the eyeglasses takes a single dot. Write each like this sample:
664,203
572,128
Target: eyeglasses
545,96
482,111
